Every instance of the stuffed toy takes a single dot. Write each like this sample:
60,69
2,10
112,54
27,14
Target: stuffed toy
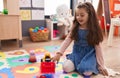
64,16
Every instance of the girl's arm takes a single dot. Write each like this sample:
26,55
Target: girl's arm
63,47
100,60
65,44
99,55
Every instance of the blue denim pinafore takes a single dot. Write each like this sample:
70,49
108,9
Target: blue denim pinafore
83,55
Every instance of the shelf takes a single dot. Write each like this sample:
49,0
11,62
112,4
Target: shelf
54,25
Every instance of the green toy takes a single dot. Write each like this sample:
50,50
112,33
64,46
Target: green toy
5,11
75,75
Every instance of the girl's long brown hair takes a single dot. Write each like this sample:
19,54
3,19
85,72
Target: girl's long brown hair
95,35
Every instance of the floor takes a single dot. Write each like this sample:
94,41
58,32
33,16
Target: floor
111,54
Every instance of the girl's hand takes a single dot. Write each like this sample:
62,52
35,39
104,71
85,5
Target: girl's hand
103,71
56,57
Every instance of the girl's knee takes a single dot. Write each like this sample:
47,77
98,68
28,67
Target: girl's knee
68,66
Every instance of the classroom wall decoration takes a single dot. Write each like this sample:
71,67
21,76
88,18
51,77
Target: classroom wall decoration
117,7
25,14
32,14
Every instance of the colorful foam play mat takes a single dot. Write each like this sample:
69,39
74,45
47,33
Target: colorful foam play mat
15,64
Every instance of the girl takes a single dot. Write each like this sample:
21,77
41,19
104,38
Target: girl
86,58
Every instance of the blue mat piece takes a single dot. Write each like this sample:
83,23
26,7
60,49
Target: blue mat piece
8,72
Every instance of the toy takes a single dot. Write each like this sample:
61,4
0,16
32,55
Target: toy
46,58
55,32
74,75
46,76
32,58
46,65
42,76
64,16
5,11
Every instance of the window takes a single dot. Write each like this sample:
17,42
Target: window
50,6
1,5
95,4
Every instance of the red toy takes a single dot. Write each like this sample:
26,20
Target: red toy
55,32
42,76
46,65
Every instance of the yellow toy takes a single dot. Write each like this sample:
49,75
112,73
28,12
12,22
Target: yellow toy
46,58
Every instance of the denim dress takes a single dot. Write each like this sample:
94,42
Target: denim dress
83,55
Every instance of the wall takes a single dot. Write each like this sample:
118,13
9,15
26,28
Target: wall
32,14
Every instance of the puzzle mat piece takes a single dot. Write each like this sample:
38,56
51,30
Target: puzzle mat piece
70,75
6,73
26,71
18,61
52,48
2,55
16,53
31,70
80,76
38,50
3,64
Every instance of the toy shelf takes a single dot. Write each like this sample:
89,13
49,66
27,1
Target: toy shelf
56,29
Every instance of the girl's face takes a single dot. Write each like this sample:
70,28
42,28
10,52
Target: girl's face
81,16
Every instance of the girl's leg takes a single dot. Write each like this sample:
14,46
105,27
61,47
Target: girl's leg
68,66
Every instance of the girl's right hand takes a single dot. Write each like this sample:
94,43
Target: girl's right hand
56,58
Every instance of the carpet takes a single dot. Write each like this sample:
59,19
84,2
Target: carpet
14,64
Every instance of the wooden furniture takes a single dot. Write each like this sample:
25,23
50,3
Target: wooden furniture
10,25
10,28
114,22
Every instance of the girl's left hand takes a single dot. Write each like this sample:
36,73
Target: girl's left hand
103,71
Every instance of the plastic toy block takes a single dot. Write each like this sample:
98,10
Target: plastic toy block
47,67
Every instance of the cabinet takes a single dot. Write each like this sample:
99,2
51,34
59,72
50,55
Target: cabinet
10,28
10,25
57,30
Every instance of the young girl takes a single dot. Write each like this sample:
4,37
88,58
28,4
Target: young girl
86,57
